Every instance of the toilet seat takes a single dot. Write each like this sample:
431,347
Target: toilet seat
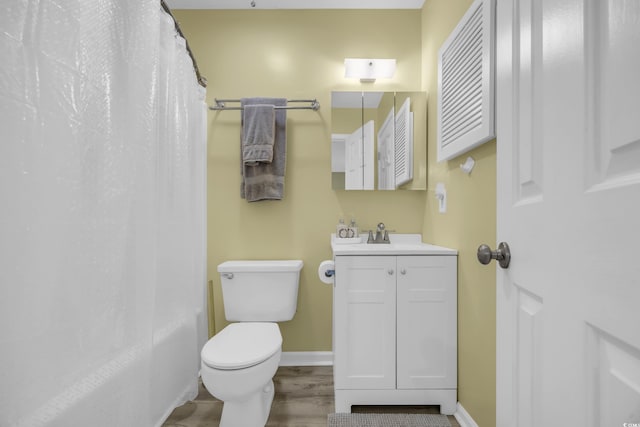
241,345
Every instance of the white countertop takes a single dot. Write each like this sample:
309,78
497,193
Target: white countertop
401,244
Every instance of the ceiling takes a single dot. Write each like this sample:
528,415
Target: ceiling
356,99
295,4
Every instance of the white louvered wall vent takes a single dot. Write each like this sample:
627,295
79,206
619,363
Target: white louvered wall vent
404,144
466,83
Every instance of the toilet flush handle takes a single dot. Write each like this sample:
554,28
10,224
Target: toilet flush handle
227,275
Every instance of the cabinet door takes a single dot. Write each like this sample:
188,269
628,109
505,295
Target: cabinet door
427,307
364,328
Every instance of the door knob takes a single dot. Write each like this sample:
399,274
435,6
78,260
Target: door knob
502,254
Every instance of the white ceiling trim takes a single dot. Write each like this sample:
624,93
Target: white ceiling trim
295,4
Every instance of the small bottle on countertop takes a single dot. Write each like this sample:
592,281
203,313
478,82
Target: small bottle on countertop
341,229
353,228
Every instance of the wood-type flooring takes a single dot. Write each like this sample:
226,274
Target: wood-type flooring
304,398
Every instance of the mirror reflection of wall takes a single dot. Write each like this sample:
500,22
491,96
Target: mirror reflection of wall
378,137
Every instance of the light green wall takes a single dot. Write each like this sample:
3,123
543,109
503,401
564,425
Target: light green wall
469,221
299,54
295,54
345,120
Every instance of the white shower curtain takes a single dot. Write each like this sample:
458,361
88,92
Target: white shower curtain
102,214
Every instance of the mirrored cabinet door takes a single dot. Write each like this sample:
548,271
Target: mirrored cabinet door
378,140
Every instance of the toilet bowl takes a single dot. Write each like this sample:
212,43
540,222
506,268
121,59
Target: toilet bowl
239,362
238,365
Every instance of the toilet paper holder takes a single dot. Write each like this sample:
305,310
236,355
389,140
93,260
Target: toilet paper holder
326,272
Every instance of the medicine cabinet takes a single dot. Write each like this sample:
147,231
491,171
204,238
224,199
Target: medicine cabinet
379,140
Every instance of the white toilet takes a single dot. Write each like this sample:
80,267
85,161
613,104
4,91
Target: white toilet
239,362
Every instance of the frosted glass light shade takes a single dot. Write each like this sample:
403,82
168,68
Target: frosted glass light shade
368,70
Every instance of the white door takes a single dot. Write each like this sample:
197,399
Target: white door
368,160
353,161
568,179
364,337
359,158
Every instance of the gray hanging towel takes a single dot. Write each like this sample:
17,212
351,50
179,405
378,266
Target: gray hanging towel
258,129
265,181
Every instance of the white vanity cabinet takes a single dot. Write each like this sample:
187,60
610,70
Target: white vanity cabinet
394,328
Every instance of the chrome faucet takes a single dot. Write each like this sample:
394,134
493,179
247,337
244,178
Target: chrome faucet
382,235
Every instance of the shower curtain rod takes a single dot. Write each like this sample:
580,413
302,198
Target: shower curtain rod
315,105
202,81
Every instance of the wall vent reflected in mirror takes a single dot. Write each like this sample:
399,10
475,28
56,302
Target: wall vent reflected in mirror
378,140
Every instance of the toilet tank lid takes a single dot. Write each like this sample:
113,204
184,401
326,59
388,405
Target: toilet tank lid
240,345
260,265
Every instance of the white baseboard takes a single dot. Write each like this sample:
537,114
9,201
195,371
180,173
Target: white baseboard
463,417
306,358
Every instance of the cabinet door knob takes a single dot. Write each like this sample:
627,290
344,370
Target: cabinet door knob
403,271
390,271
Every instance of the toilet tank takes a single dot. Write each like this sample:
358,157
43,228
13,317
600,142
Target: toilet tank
260,291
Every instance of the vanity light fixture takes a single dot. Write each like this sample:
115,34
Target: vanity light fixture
368,70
